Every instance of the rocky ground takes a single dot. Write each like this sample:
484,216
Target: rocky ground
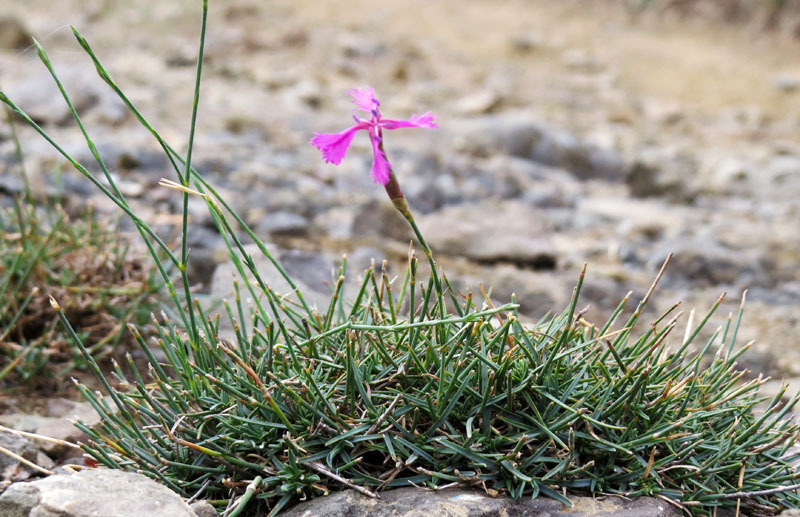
570,132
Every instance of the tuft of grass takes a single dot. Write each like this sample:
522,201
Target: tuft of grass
409,383
368,400
83,261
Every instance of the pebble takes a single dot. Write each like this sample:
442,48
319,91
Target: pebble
110,493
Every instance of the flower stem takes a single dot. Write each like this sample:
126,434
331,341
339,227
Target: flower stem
400,203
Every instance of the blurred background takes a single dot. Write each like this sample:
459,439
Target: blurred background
605,132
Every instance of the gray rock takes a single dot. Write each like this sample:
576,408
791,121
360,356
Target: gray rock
559,148
283,223
536,292
56,425
656,173
312,268
513,135
415,502
312,273
701,261
522,136
472,231
203,509
534,182
23,497
40,98
10,468
336,223
10,183
206,250
632,218
380,219
362,258
90,493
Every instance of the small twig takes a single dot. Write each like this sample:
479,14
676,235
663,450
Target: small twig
676,504
604,495
242,502
38,437
322,470
655,282
687,467
197,494
385,414
22,460
739,486
759,493
454,484
649,463
177,423
389,476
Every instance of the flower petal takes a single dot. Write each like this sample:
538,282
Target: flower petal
425,121
364,98
334,145
380,165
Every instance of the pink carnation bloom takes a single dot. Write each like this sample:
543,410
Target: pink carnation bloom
334,145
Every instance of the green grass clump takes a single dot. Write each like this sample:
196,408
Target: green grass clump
411,383
81,260
373,397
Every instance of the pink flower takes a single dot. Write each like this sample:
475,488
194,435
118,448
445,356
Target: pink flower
334,145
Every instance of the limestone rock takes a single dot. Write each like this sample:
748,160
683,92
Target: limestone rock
203,509
56,425
413,502
472,231
13,470
93,492
312,273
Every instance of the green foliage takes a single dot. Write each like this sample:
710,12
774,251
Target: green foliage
473,399
82,261
415,384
